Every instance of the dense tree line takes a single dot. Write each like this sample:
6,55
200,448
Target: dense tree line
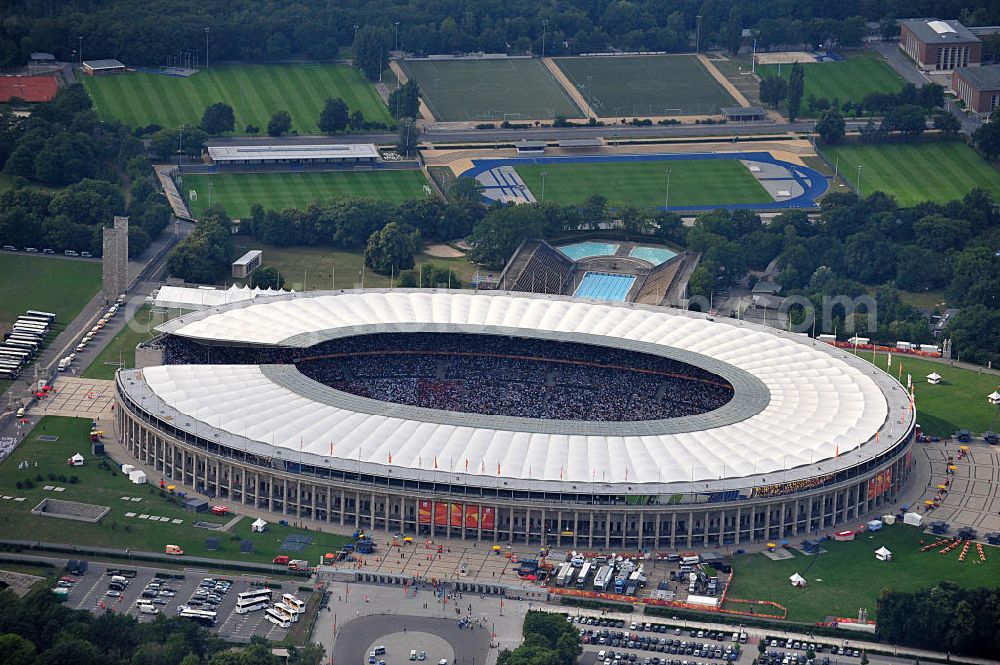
206,254
548,640
142,33
942,618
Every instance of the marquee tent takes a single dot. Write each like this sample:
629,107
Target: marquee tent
883,554
258,525
913,519
934,378
797,580
137,476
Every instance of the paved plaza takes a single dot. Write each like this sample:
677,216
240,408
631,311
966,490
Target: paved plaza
973,496
82,398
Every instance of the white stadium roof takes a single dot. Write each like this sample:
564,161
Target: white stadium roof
815,401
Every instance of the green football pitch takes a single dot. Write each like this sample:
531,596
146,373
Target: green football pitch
915,172
495,90
254,91
847,81
237,192
646,85
704,182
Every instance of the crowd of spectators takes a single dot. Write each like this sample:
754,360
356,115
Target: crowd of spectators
489,374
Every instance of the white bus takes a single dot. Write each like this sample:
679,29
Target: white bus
293,602
9,374
21,342
204,617
277,618
48,316
29,327
11,352
288,611
251,601
582,579
33,319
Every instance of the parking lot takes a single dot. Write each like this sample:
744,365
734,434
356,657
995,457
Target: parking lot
90,591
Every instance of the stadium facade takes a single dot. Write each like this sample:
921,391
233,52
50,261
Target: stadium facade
812,439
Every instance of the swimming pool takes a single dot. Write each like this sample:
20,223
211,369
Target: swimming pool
655,255
583,250
604,286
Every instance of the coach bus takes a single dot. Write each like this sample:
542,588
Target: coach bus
277,618
9,374
293,602
206,618
10,365
251,601
21,332
287,611
12,352
48,316
33,319
13,345
22,343
39,328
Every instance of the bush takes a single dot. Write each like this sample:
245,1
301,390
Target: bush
52,476
62,478
486,125
39,477
19,485
28,484
73,480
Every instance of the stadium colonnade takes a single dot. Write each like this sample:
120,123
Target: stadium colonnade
336,493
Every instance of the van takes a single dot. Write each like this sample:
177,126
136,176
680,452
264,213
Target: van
147,608
380,651
119,579
31,250
20,412
10,248
413,654
690,560
687,569
86,255
601,654
46,250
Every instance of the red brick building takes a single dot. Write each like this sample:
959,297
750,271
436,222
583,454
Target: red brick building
978,88
939,45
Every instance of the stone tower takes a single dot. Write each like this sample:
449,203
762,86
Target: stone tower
115,259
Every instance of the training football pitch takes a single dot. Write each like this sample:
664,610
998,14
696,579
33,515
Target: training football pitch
695,182
915,172
255,92
848,80
494,90
237,192
646,85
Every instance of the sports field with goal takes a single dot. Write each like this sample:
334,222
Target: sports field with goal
914,172
237,192
514,89
651,85
644,183
255,92
848,80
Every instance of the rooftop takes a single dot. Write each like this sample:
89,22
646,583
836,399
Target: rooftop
102,64
247,258
936,31
742,110
983,78
230,153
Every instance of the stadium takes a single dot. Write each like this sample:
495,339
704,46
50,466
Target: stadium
513,417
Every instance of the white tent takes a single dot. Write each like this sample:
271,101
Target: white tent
874,525
882,554
994,397
797,580
889,520
258,525
138,476
127,469
913,519
934,378
76,460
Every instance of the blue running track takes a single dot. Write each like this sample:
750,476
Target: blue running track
604,286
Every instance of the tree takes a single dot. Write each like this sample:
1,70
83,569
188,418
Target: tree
333,117
371,46
796,84
496,237
409,137
734,29
987,138
946,123
930,96
280,123
830,126
391,249
404,101
773,90
252,130
466,190
218,119
908,119
267,277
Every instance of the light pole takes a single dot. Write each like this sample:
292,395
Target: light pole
545,23
180,145
859,181
206,47
79,48
356,32
667,206
396,26
209,193
697,43
543,186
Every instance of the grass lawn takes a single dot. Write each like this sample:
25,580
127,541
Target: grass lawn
646,85
237,192
848,576
106,486
847,81
495,90
692,182
255,92
121,349
958,402
915,172
313,268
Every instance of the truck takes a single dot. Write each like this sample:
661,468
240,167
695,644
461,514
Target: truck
64,364
565,571
581,580
602,577
174,549
147,608
364,545
298,564
281,560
